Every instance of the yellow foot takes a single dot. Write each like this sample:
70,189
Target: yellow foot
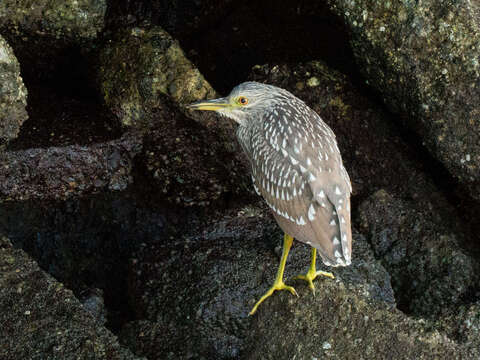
311,275
277,286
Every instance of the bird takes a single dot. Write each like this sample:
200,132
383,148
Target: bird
297,167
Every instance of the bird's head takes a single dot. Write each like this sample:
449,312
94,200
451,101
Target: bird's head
247,101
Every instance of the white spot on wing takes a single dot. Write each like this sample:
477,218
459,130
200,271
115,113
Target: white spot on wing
311,212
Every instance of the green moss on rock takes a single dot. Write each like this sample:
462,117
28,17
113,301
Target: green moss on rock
13,95
78,20
139,67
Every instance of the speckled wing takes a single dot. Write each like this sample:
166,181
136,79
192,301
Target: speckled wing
297,168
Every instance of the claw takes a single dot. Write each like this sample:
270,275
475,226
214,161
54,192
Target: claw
309,280
313,273
276,286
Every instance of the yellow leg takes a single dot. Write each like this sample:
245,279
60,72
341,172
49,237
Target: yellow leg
279,284
313,273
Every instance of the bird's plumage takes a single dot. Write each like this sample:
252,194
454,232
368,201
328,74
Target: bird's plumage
297,168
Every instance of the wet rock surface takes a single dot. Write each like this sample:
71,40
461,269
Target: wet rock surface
59,173
59,117
192,164
423,61
42,319
194,293
431,273
13,95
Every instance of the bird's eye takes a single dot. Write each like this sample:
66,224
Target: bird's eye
242,100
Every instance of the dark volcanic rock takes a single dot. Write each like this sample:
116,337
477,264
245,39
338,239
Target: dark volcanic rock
341,324
464,325
192,295
61,172
86,241
48,35
193,163
13,95
431,273
76,20
42,319
423,59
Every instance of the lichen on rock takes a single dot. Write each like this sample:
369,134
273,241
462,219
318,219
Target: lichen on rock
141,66
423,60
13,95
66,20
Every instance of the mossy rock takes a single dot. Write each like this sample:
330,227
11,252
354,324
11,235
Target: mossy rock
13,95
139,68
423,60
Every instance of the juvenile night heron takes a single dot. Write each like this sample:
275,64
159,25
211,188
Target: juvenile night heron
297,168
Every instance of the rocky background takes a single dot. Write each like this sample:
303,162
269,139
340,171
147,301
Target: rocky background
128,225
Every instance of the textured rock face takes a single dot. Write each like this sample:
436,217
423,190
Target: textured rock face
431,273
45,33
342,324
423,59
42,319
202,309
76,20
141,66
62,172
192,163
464,324
13,95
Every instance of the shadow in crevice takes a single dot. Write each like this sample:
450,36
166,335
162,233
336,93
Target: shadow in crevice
225,39
63,105
88,243
254,33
